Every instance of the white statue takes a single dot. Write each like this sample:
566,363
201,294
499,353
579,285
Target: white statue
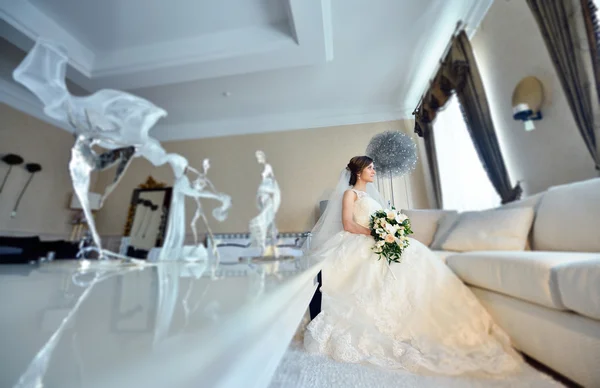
119,122
263,230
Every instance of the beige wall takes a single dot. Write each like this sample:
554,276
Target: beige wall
508,47
43,209
307,164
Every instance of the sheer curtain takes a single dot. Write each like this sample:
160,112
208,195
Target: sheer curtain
465,184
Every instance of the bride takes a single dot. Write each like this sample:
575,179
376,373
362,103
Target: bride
415,315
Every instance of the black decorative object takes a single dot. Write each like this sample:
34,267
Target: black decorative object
32,168
11,160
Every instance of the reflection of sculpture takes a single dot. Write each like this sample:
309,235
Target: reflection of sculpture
263,231
85,278
114,120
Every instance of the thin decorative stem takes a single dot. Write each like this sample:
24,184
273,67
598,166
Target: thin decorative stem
392,189
14,212
5,178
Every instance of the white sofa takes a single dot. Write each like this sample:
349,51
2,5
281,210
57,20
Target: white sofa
544,289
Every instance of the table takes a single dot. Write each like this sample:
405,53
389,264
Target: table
172,324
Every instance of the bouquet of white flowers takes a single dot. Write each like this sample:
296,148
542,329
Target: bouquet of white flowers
390,229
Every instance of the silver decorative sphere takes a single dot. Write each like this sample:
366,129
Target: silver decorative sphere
394,153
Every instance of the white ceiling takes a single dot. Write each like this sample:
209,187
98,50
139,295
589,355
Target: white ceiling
245,66
139,22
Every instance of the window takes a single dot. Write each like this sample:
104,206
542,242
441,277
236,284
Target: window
464,183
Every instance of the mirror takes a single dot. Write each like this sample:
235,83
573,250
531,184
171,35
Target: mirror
147,219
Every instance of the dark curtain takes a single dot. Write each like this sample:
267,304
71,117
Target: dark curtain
476,111
592,29
564,29
459,74
429,141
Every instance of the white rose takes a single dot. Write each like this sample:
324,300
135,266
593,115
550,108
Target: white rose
389,238
390,215
392,229
400,218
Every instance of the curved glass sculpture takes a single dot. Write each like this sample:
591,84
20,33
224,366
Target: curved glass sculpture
119,122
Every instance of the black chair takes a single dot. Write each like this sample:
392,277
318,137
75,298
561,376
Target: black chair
19,250
137,253
62,249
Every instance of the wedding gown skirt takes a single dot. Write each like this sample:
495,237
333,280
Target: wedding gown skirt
415,315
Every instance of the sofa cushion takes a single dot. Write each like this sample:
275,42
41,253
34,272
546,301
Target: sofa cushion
450,219
532,202
527,275
424,223
496,230
579,286
568,218
445,225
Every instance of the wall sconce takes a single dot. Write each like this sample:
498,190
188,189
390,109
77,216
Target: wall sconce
527,100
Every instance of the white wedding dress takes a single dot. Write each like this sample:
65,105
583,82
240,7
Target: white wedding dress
421,318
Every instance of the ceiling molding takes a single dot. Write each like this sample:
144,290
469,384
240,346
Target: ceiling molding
476,15
30,21
429,61
305,39
312,26
277,123
21,99
208,47
17,97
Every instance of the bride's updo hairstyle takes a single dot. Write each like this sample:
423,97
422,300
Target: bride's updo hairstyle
356,165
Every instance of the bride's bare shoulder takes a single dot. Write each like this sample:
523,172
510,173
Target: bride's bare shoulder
350,194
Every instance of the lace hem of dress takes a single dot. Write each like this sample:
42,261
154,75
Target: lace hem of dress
407,354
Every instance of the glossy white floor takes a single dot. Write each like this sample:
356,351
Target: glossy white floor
300,369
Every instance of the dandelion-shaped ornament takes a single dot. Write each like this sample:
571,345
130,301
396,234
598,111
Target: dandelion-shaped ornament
263,230
394,154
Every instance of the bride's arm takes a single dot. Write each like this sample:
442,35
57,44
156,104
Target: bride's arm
347,211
